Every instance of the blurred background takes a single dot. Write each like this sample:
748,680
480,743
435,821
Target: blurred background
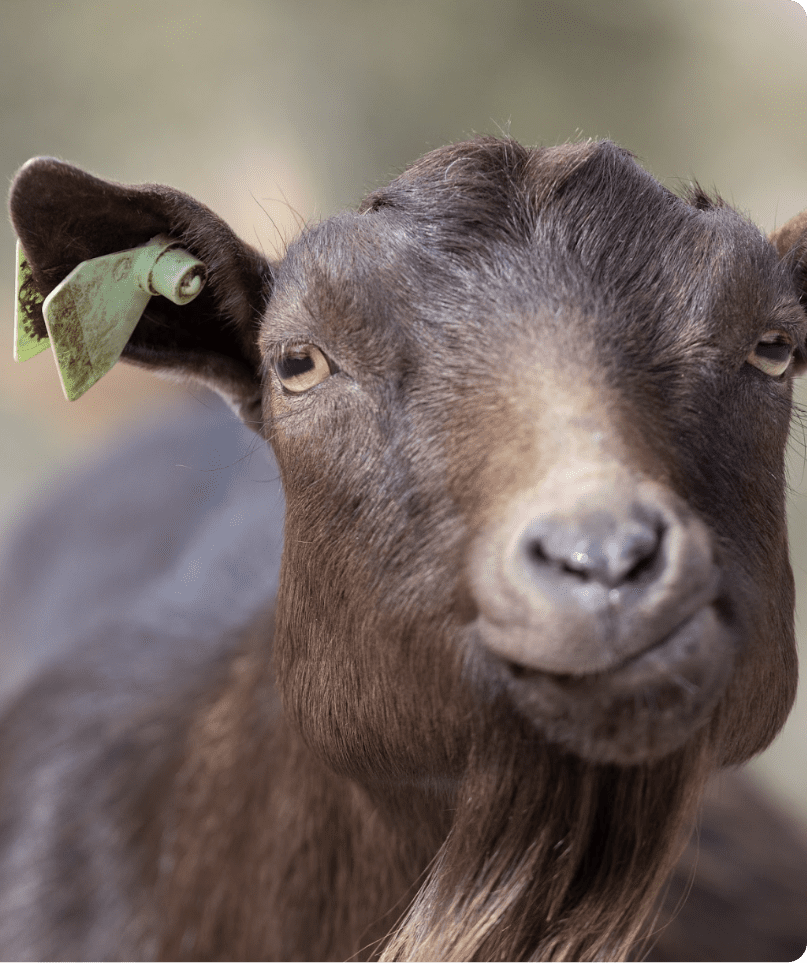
277,112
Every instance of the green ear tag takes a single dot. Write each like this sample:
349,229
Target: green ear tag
91,315
27,343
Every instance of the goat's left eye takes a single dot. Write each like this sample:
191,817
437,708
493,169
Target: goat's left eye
302,367
772,354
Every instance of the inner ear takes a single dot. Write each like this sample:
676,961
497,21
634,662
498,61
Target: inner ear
63,216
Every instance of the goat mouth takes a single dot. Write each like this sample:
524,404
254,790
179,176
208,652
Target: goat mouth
677,646
640,709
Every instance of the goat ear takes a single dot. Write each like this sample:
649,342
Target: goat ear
64,216
790,240
791,236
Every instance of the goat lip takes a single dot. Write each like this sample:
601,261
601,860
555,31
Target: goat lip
682,644
581,644
686,646
639,710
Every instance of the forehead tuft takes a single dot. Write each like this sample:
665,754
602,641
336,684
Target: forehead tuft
479,181
485,168
551,223
590,205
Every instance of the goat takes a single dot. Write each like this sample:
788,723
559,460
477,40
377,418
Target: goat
529,410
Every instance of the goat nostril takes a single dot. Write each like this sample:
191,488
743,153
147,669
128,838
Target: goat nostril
577,564
644,559
635,549
598,547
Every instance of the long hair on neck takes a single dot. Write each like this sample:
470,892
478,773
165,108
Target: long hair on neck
551,857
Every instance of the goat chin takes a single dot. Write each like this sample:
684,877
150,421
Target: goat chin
640,710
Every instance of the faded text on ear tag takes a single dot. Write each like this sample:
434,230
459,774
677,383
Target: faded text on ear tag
27,342
91,315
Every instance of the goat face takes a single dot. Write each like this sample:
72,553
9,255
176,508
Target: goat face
530,411
533,464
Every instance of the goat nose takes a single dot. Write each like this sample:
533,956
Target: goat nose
598,546
587,578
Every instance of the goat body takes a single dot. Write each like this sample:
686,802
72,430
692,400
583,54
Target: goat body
529,410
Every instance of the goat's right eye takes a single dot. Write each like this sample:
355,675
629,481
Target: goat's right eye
772,354
301,367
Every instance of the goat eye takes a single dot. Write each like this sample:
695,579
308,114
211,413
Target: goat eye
301,368
772,354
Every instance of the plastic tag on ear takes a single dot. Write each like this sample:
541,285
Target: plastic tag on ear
27,343
91,315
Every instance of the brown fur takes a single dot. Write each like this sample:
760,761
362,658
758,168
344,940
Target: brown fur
512,334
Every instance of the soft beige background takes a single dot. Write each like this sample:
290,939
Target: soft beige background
273,111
